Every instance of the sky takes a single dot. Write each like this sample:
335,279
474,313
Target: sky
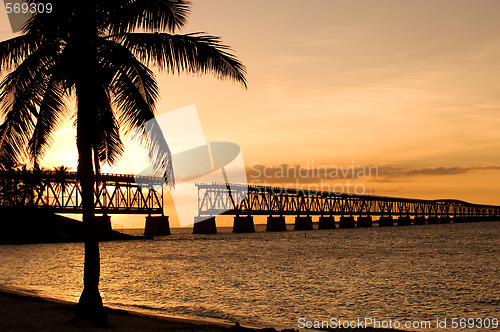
411,87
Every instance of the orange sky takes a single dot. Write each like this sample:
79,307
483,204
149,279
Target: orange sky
410,86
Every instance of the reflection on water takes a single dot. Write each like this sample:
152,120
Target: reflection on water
407,273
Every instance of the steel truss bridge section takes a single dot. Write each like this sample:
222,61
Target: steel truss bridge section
215,199
61,193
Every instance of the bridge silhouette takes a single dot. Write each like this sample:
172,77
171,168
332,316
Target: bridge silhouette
60,192
277,202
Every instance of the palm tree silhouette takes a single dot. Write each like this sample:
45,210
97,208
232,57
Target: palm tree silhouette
60,173
98,51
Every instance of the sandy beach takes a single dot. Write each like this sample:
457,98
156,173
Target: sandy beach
22,311
26,312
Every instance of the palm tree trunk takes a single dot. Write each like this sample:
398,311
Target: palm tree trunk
90,305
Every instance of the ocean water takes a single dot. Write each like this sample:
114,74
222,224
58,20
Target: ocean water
406,274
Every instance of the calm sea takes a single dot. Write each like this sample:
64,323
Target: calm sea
418,273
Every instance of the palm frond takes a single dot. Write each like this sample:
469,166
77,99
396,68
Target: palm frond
21,92
51,111
138,115
152,136
11,152
193,53
136,110
116,58
107,143
26,85
147,15
13,51
56,26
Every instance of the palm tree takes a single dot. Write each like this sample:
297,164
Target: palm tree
61,173
97,53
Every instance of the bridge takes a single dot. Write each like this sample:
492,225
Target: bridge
60,192
277,202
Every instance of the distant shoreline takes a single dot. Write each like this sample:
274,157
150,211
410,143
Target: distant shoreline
30,226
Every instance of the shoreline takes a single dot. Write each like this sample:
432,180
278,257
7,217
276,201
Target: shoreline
18,305
24,311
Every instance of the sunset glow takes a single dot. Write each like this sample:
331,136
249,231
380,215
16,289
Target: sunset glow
401,85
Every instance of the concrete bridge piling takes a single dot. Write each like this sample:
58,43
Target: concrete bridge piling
420,220
433,220
326,222
385,222
457,220
444,220
204,226
276,224
157,226
347,222
404,221
303,223
243,224
365,221
103,222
